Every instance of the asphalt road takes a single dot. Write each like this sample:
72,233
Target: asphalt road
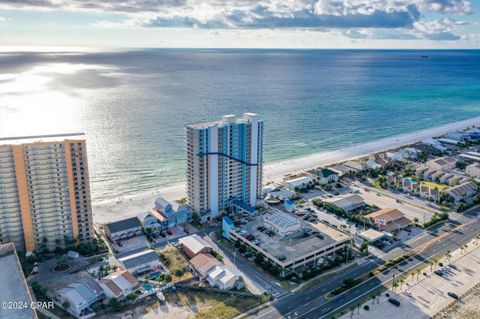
313,304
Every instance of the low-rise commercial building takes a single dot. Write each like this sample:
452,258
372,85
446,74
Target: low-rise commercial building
371,235
389,219
123,229
348,202
140,262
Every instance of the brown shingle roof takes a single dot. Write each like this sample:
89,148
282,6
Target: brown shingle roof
202,263
388,214
111,286
129,277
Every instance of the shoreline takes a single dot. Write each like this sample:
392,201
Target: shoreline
129,206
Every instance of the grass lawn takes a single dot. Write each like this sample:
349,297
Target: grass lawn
213,305
434,185
175,260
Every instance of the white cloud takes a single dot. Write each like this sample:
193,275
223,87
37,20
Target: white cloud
354,17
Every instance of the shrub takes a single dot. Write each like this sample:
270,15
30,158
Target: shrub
179,272
366,307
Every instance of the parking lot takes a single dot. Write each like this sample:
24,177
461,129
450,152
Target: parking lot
402,203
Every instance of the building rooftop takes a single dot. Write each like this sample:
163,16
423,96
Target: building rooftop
282,220
347,200
18,140
371,235
442,161
387,214
464,188
194,243
123,224
293,248
138,259
14,286
222,274
226,119
202,263
323,172
299,181
119,281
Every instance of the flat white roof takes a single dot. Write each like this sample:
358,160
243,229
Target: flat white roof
299,181
18,140
371,235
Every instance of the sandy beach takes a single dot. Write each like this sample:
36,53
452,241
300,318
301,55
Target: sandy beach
130,206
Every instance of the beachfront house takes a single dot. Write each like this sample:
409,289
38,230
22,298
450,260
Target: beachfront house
123,229
324,175
299,183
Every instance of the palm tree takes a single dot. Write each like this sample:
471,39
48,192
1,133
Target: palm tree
401,280
373,299
418,271
412,274
352,309
466,246
394,285
448,255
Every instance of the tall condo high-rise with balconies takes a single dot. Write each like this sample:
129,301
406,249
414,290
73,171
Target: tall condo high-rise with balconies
44,191
224,161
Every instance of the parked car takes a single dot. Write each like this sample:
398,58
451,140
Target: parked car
394,302
453,295
438,273
453,266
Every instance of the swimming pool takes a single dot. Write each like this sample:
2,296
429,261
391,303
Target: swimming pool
153,274
409,180
148,287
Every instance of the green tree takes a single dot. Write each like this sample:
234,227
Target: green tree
115,305
66,304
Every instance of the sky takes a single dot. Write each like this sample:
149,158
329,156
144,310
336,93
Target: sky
390,24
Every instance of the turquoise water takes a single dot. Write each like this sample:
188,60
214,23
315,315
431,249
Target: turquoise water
147,287
133,104
409,180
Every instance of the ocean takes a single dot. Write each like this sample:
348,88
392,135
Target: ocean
133,105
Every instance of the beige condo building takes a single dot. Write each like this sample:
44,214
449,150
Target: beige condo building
44,191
